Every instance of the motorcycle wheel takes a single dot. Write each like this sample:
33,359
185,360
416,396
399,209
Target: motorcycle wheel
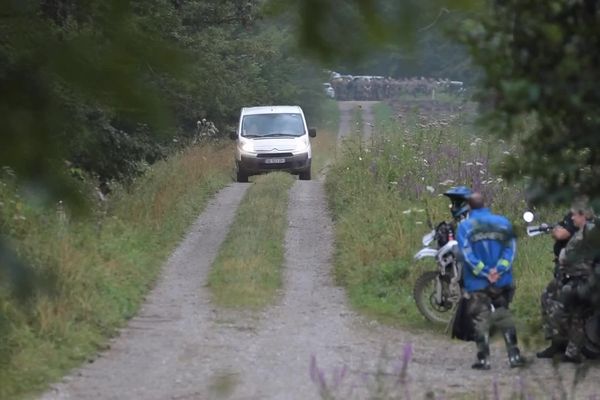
424,295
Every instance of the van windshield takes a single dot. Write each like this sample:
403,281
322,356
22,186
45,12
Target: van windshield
272,125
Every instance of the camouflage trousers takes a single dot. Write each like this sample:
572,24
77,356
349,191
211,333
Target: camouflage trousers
489,312
561,322
550,306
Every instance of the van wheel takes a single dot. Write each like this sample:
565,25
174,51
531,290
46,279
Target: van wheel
304,175
241,177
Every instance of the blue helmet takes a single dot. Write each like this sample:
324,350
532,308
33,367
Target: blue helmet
462,192
459,196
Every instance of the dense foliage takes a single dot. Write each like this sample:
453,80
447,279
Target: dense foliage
541,62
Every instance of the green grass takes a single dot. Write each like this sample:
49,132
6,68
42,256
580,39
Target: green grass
247,271
91,274
379,196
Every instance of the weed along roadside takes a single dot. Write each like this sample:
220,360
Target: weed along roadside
100,267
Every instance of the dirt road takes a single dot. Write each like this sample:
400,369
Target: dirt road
180,346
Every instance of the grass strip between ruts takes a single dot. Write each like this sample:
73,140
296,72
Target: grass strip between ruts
247,271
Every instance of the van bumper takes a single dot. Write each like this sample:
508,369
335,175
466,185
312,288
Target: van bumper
264,163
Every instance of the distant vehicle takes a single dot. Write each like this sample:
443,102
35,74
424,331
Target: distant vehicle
273,138
329,91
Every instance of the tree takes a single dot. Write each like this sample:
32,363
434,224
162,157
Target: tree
540,62
61,62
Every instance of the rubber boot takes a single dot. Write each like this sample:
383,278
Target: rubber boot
514,354
556,347
483,353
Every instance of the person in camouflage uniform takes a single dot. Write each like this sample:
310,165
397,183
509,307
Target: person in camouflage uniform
568,309
561,233
487,244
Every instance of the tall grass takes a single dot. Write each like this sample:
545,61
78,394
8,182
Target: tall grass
384,195
324,145
91,273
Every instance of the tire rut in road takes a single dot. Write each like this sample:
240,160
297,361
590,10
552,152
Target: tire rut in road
346,116
368,120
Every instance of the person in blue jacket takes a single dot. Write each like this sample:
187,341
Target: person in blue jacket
487,244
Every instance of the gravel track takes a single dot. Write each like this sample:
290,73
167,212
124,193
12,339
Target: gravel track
181,346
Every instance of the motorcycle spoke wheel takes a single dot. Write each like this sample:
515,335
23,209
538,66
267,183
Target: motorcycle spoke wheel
424,294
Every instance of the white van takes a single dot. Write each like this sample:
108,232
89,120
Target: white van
272,138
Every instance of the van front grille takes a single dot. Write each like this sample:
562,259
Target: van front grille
274,155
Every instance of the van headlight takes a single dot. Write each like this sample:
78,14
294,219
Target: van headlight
303,146
247,147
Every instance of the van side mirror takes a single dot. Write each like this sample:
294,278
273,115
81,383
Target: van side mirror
233,135
312,132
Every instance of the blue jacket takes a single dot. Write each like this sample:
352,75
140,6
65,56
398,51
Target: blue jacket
486,241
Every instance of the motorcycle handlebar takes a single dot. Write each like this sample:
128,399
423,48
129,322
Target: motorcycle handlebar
536,230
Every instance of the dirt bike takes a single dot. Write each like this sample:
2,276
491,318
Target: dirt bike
438,292
591,347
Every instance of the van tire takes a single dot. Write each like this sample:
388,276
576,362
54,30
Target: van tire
241,177
304,175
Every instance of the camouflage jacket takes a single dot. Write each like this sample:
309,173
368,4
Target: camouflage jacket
577,258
